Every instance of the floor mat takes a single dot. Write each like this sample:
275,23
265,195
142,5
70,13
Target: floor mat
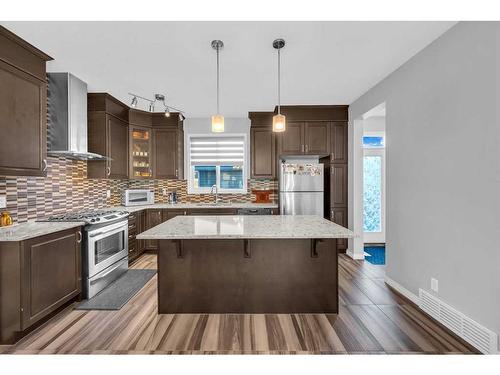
117,294
376,254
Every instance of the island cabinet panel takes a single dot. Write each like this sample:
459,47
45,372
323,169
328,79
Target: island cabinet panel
263,152
37,277
23,107
247,276
166,153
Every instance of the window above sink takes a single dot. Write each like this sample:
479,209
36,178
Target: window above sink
217,160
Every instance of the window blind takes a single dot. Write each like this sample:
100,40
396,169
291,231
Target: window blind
217,150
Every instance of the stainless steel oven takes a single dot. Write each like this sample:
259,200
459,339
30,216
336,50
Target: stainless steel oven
105,255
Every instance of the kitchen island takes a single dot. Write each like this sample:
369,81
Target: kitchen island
247,264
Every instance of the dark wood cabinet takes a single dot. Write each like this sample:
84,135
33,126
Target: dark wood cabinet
317,138
117,148
141,155
262,145
212,211
305,138
37,277
291,141
339,216
170,214
153,218
108,135
166,153
338,142
338,185
23,107
263,152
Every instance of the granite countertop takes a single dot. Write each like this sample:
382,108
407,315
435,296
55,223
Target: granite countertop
182,206
246,227
32,229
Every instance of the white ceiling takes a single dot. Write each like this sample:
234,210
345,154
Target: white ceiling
322,62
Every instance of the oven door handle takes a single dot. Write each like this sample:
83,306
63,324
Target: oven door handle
116,228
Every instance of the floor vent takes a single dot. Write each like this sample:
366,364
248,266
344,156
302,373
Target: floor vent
472,332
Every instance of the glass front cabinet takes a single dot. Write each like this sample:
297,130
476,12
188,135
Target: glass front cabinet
140,153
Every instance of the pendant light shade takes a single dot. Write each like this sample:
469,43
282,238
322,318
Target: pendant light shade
217,119
279,121
218,124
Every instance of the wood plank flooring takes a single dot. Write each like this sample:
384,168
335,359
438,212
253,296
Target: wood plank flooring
372,319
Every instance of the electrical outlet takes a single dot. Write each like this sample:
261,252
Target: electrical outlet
164,191
434,284
108,193
3,201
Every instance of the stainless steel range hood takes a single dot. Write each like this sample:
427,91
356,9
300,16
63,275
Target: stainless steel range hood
67,117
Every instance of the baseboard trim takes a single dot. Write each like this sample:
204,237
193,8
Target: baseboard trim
402,290
355,256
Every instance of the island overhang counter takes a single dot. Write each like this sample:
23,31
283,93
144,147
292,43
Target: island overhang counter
247,264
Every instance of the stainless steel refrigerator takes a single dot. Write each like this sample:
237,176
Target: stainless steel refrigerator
301,188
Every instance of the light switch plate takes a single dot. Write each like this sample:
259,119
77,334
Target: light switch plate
164,191
3,201
108,193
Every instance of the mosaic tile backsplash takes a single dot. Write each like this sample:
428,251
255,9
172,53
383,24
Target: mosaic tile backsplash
67,188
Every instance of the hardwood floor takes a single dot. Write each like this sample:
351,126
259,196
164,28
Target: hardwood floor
372,319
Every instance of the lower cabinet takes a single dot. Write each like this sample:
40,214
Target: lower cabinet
153,218
37,276
339,216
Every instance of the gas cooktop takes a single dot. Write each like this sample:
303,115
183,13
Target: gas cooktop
88,217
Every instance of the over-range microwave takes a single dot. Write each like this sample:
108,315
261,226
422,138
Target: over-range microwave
137,197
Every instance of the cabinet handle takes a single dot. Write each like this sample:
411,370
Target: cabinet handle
44,161
307,148
176,173
79,237
150,172
185,213
332,157
302,148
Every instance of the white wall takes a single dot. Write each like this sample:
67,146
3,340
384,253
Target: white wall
443,169
235,125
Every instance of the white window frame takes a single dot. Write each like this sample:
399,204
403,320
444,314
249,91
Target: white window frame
190,167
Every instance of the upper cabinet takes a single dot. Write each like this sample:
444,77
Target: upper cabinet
262,145
109,136
338,152
23,107
310,129
141,144
305,138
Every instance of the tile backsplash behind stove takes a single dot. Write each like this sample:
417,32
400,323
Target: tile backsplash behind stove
67,188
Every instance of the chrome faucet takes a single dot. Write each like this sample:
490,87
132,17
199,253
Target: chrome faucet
212,189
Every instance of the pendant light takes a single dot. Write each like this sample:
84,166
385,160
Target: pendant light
217,119
279,121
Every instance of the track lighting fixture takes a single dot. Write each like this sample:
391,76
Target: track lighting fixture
134,102
158,98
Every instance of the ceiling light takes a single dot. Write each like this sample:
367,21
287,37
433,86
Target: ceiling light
152,102
217,119
134,102
279,121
